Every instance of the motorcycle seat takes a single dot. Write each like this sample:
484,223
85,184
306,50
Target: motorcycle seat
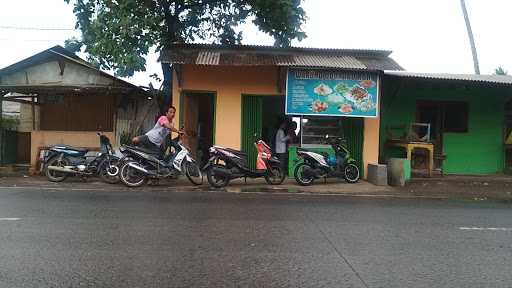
156,154
143,150
67,147
236,152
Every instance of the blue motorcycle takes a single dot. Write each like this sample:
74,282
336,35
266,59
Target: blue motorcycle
61,161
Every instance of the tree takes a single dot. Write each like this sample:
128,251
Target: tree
470,35
118,34
500,71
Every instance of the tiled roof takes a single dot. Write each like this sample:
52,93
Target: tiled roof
244,55
497,79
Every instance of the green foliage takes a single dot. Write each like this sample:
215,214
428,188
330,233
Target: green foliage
9,123
73,45
118,34
125,138
500,71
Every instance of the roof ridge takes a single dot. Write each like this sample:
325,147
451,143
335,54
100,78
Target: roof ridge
382,53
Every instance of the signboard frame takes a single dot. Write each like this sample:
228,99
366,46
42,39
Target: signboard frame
340,75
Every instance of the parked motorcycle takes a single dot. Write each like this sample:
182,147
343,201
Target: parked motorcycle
61,161
321,165
226,164
140,165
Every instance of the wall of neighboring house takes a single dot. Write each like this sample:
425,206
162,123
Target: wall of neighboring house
135,115
42,139
26,123
50,72
477,151
230,83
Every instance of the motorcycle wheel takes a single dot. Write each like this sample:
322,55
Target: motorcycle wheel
56,176
193,172
130,176
302,179
113,168
216,181
351,173
277,175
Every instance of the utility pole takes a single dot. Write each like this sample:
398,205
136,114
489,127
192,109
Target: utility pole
470,35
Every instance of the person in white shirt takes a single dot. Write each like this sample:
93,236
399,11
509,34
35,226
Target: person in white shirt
281,140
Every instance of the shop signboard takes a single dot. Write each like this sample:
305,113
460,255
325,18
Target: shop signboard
331,93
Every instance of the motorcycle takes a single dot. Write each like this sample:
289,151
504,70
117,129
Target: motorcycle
226,164
61,161
321,165
140,165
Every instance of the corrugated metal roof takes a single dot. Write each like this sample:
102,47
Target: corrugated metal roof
243,55
500,79
331,61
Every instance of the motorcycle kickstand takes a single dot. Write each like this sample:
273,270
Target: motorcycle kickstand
245,179
325,180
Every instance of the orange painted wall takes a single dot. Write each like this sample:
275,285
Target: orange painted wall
229,83
371,143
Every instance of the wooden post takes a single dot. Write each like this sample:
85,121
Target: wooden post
1,105
33,114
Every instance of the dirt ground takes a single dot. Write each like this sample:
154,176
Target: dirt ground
472,187
459,187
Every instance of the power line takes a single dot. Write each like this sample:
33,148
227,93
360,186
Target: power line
35,28
32,40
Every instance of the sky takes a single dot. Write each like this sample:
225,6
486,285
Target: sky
425,36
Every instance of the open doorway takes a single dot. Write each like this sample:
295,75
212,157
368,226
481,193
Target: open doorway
443,117
273,116
261,116
198,120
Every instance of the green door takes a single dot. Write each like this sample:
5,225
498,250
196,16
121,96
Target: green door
353,129
251,125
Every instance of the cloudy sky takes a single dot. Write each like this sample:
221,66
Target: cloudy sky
425,36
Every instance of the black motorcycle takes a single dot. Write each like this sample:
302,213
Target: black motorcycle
226,164
321,165
61,161
139,165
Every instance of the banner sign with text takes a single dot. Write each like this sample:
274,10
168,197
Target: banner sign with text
331,93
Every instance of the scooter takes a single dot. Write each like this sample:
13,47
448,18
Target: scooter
226,164
61,161
140,165
321,165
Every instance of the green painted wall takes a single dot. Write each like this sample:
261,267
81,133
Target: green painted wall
480,150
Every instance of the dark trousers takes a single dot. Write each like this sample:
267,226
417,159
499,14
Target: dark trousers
283,158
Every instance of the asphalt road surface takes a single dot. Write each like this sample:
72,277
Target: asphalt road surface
87,238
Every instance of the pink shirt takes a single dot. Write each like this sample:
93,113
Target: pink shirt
159,131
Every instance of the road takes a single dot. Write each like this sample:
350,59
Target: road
87,238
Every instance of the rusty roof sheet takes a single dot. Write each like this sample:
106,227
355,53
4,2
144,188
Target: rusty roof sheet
244,55
496,79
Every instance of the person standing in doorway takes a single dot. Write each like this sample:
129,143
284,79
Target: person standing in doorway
281,140
294,138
